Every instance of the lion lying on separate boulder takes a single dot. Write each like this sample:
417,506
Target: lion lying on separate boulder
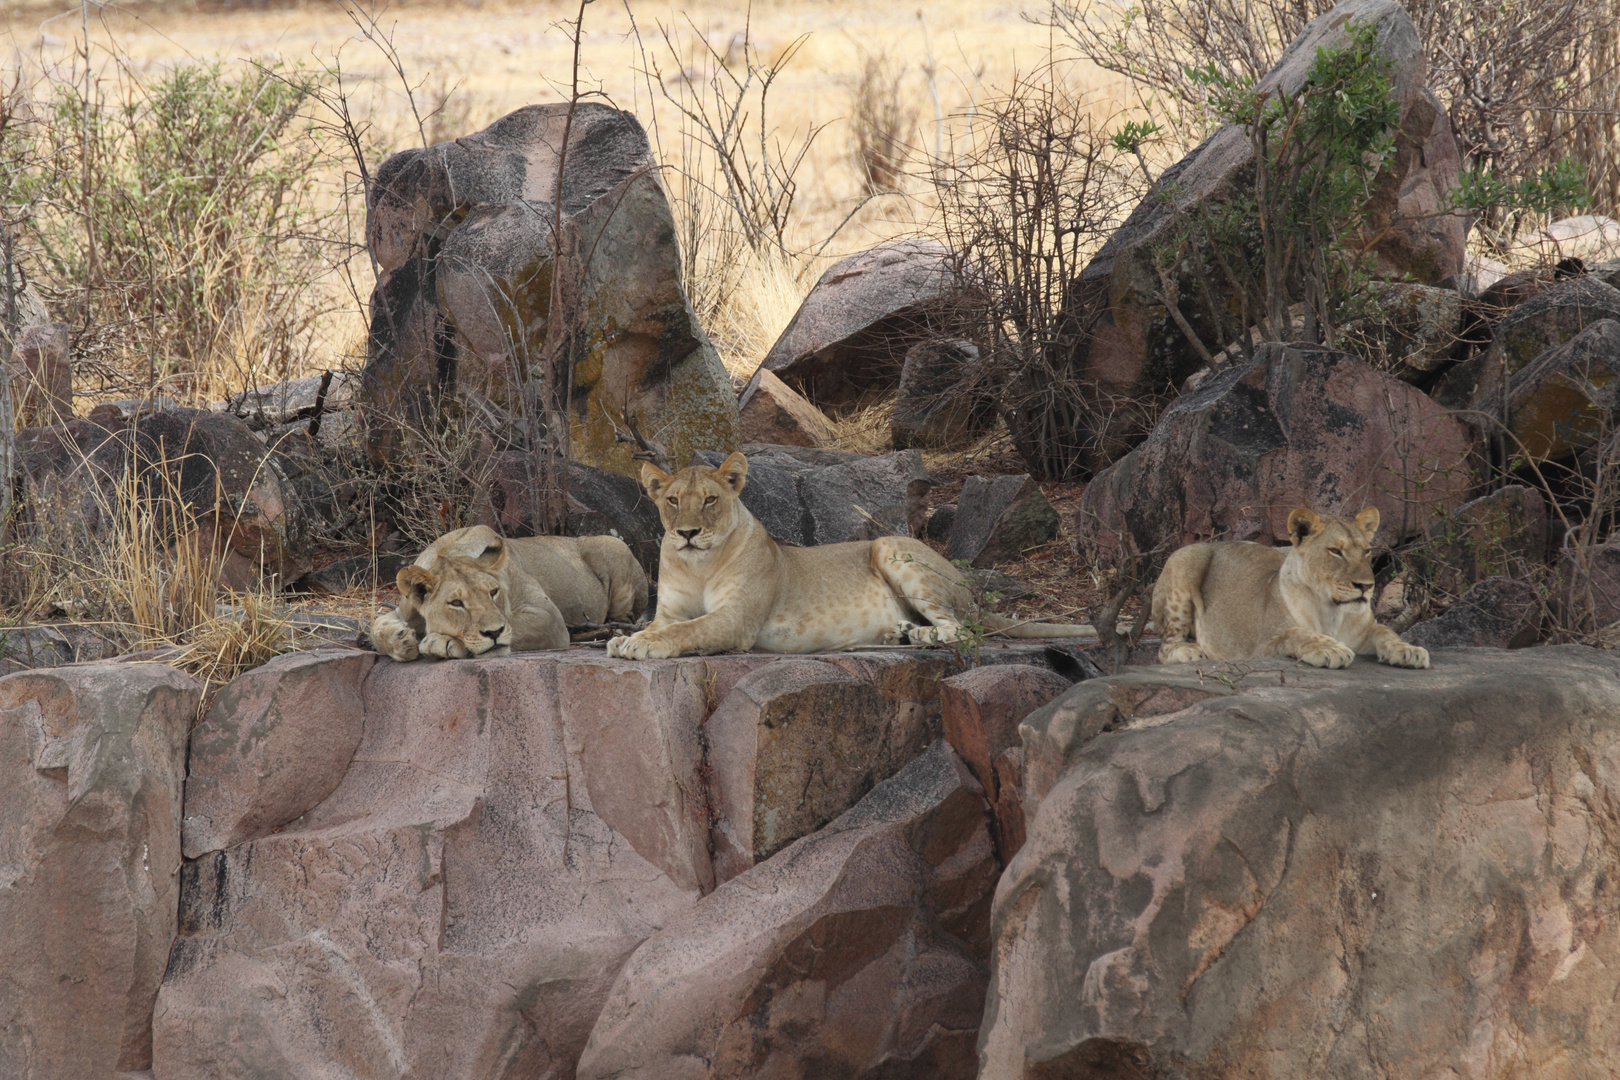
474,593
1311,601
725,586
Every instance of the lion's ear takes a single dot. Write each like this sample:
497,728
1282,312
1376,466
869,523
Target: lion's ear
733,472
1302,523
416,582
654,479
493,557
1367,521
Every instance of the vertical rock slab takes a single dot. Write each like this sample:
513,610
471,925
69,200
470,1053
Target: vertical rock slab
773,412
458,906
850,953
794,745
463,236
275,743
1299,425
42,375
92,760
1356,873
998,519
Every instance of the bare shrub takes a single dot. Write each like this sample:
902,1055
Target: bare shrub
1527,82
1026,199
880,124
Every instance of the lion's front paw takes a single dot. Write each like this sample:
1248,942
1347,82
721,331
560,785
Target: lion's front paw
442,646
639,646
393,638
933,635
1325,652
1181,652
1398,653
899,633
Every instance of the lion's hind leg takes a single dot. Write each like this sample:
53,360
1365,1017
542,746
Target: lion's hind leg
927,584
1176,603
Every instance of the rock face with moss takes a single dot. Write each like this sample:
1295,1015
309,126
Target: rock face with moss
467,236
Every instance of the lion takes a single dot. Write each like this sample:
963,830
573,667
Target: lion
1311,601
725,586
474,593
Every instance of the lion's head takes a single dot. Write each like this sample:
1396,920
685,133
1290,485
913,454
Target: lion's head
1332,555
698,505
463,598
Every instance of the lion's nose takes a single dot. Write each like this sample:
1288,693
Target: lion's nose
687,533
495,635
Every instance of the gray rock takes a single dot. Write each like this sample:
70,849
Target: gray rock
281,403
92,760
1314,871
850,335
940,522
1409,330
1590,591
935,404
462,233
42,375
1300,425
803,503
1568,398
999,519
1498,613
354,572
1503,533
600,503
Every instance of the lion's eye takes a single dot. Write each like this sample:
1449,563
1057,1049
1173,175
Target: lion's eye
673,501
1336,553
711,500
457,603
493,592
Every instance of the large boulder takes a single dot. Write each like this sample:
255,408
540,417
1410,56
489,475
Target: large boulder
228,493
92,760
1300,425
462,235
827,497
1135,348
1365,872
1568,398
1545,320
851,334
849,954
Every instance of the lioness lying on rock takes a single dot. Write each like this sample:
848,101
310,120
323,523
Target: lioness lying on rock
473,593
1312,601
724,585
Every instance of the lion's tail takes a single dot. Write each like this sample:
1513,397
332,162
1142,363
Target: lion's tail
1001,627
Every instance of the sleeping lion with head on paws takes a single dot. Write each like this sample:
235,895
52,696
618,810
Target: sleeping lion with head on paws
725,586
473,592
1311,601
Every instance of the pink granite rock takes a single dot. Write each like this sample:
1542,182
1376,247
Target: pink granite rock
850,953
981,710
276,741
1362,872
92,760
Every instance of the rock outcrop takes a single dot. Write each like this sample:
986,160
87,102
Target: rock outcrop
853,953
1300,425
1135,348
851,334
92,760
440,868
1321,873
462,235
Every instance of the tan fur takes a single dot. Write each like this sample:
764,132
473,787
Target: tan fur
724,585
1311,601
474,593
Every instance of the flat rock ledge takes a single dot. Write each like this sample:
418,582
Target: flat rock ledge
1270,871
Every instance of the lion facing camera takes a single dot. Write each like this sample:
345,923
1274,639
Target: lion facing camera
1311,601
474,593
